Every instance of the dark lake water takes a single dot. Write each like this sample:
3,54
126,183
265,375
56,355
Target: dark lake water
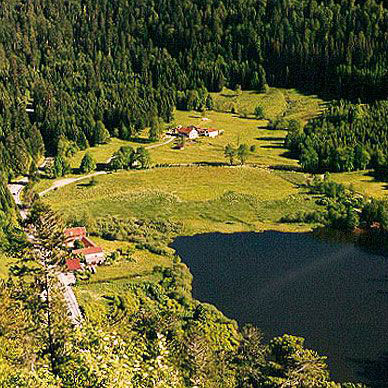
333,294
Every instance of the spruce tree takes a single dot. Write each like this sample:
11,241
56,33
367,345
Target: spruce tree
88,164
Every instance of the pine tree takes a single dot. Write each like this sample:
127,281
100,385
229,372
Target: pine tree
37,270
88,164
230,153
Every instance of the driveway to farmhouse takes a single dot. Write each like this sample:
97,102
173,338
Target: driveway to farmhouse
66,181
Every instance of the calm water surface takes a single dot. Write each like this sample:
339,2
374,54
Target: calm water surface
333,294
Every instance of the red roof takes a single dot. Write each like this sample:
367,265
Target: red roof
212,130
186,131
73,264
88,251
87,242
75,232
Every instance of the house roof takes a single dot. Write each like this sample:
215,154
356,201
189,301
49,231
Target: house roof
75,232
87,242
73,264
202,130
186,131
88,251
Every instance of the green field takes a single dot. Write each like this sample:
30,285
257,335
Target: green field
363,182
285,103
203,198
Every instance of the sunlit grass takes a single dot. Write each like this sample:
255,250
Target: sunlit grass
363,182
202,198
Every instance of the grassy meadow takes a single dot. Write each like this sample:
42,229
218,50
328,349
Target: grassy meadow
286,103
113,280
237,129
204,199
242,127
363,182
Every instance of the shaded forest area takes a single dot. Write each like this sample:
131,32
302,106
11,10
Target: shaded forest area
73,72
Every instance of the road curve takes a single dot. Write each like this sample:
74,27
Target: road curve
67,181
16,189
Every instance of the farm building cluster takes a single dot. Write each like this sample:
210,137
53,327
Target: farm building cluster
82,248
193,132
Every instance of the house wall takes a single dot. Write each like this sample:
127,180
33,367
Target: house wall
95,258
213,134
193,134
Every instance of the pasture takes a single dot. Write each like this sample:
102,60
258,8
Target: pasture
204,199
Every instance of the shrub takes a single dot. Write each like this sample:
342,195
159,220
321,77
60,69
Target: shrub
259,112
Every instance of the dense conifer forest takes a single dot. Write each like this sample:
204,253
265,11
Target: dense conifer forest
346,137
72,71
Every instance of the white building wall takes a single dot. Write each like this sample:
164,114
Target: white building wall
193,134
95,258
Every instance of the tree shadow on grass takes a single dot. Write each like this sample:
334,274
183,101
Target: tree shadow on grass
87,184
269,138
140,140
289,155
102,166
272,146
229,95
378,177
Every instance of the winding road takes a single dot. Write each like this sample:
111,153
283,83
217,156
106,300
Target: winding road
66,181
75,314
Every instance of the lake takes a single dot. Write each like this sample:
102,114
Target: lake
333,294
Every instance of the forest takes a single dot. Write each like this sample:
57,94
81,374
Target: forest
346,137
73,73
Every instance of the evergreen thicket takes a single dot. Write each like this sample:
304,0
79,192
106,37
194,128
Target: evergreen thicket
74,73
345,137
83,69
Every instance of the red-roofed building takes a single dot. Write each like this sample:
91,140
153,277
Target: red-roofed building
73,234
87,242
190,132
93,255
73,264
77,232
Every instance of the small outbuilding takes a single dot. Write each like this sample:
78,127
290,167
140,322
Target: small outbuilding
211,132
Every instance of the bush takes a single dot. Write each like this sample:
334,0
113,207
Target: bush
259,112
